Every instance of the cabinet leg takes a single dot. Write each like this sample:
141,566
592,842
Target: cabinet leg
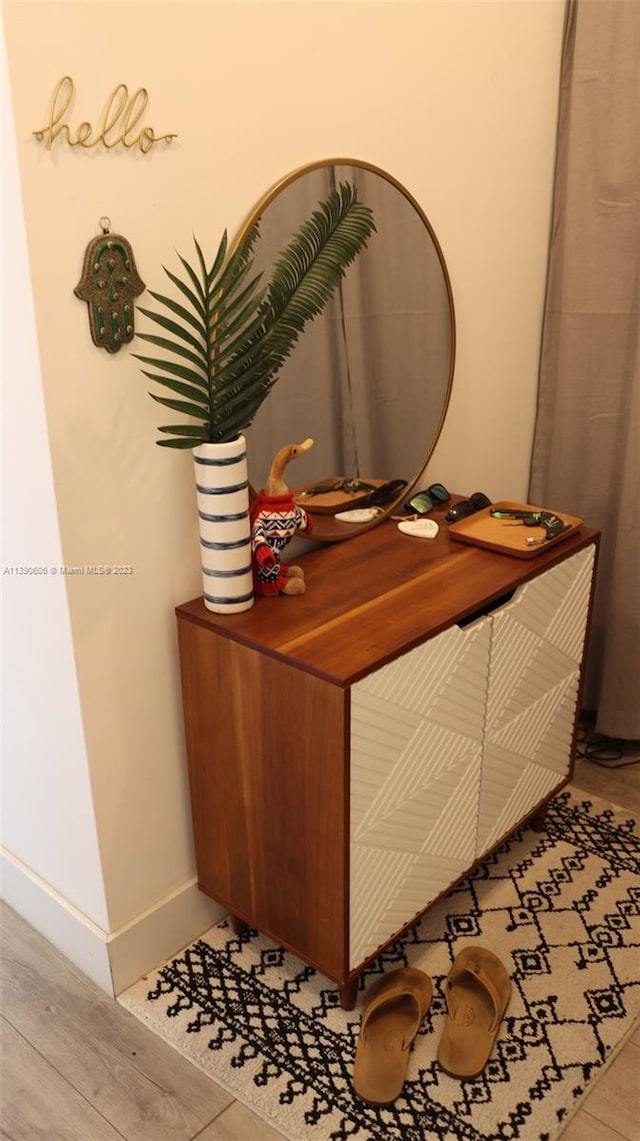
348,994
537,819
239,925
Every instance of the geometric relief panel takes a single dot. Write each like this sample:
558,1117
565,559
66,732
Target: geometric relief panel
512,787
570,583
416,745
455,742
378,908
536,649
537,723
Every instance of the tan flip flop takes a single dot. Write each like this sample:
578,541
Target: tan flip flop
392,1015
478,989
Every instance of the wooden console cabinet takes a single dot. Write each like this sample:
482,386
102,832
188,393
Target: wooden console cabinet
354,752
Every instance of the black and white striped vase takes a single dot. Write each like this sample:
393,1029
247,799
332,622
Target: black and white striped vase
222,490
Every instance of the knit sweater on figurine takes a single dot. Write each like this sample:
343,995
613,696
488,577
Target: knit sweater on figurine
275,518
274,521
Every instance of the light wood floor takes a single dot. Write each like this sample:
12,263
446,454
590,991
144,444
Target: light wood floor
75,1066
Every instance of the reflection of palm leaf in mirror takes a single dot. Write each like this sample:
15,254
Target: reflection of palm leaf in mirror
234,338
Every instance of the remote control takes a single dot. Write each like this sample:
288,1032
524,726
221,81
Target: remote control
552,525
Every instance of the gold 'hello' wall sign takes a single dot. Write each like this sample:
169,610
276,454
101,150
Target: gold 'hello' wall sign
119,126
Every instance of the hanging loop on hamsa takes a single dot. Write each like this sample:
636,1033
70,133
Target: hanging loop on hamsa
109,284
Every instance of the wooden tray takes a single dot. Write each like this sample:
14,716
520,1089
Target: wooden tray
332,501
482,530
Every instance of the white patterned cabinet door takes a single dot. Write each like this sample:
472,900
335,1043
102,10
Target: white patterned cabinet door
416,746
537,644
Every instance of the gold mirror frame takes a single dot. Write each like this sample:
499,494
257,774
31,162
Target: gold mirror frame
326,528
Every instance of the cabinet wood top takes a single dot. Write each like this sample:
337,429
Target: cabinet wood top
375,596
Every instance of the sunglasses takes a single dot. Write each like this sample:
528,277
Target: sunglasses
466,507
351,486
424,501
386,493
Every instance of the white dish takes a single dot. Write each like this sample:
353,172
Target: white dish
358,515
421,528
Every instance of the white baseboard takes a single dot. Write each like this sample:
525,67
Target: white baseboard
61,924
114,960
160,932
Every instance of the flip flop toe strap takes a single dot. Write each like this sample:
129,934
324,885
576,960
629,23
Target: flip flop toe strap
390,994
474,969
385,1000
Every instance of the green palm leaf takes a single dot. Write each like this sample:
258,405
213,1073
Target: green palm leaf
182,406
194,320
238,334
174,347
182,442
304,279
174,369
197,395
173,327
193,430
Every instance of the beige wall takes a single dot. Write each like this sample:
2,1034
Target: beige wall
457,100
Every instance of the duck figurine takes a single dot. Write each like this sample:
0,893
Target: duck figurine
275,518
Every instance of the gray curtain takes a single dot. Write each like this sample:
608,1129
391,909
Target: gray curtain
585,455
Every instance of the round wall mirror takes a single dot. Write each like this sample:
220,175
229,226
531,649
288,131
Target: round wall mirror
370,378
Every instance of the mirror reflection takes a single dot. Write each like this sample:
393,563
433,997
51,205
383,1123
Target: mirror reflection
370,378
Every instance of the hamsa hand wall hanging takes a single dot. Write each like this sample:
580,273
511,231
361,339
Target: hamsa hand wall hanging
109,284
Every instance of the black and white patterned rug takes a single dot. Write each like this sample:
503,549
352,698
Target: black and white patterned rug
562,911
